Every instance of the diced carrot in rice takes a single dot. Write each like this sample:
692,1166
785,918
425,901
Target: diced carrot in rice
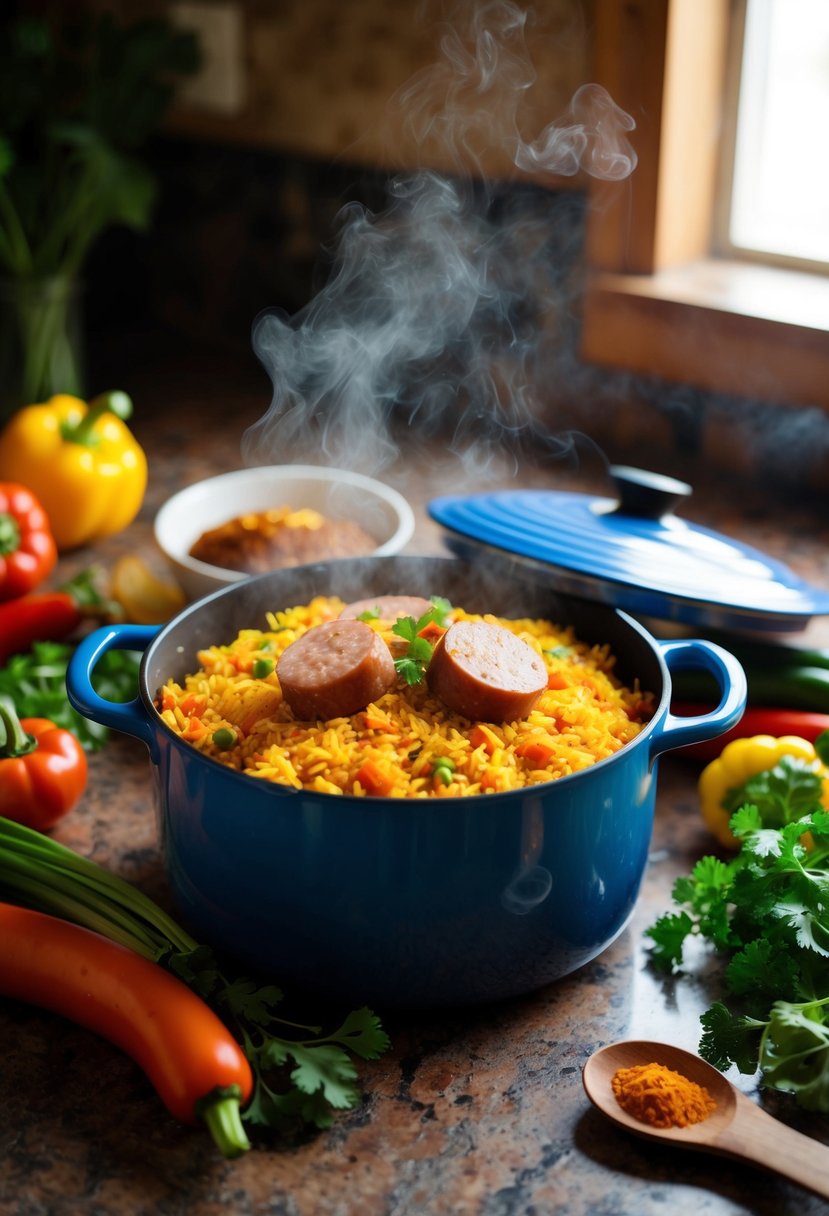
375,721
376,781
536,752
555,680
194,730
483,736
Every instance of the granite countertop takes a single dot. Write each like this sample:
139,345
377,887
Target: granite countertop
476,1111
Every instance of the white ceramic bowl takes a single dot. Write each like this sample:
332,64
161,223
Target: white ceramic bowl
335,493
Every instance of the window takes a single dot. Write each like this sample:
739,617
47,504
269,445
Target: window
779,171
658,301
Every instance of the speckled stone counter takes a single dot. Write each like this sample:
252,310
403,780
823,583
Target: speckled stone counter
478,1111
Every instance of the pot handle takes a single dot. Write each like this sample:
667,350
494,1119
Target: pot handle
130,717
697,653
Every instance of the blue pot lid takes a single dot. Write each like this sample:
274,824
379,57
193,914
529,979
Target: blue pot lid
634,553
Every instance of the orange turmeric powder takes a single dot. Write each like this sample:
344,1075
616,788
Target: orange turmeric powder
657,1095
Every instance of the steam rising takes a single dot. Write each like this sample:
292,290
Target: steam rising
434,313
470,101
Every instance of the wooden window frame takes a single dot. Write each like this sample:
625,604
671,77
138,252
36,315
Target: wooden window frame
657,301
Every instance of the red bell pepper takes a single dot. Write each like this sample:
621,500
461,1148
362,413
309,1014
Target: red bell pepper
756,720
27,547
43,769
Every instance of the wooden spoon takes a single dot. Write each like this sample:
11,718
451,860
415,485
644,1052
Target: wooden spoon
737,1128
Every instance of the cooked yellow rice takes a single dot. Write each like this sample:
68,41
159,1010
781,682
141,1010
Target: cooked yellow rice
392,746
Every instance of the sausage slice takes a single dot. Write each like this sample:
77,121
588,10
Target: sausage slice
388,607
484,672
335,669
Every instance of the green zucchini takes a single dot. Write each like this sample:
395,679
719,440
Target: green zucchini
755,652
799,687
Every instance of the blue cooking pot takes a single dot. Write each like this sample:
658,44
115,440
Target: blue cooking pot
396,902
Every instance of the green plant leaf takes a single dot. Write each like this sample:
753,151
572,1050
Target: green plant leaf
362,1033
6,156
795,1053
766,913
729,1039
668,936
325,1068
78,98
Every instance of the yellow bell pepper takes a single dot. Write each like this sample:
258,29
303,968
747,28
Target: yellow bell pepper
739,761
81,461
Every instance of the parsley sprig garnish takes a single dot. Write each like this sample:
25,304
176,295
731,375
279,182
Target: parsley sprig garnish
766,914
411,665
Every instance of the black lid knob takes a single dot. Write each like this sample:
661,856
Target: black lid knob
644,494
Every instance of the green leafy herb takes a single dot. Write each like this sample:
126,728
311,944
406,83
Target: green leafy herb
766,914
78,98
441,609
411,665
88,590
79,95
36,682
303,1073
782,794
559,652
791,1047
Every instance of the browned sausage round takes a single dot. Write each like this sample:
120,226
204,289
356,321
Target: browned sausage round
485,672
388,607
335,669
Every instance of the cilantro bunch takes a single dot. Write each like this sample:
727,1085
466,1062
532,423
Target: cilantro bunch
36,682
765,913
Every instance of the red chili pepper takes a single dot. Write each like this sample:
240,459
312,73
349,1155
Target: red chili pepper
52,616
43,769
756,720
43,616
27,547
192,1060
